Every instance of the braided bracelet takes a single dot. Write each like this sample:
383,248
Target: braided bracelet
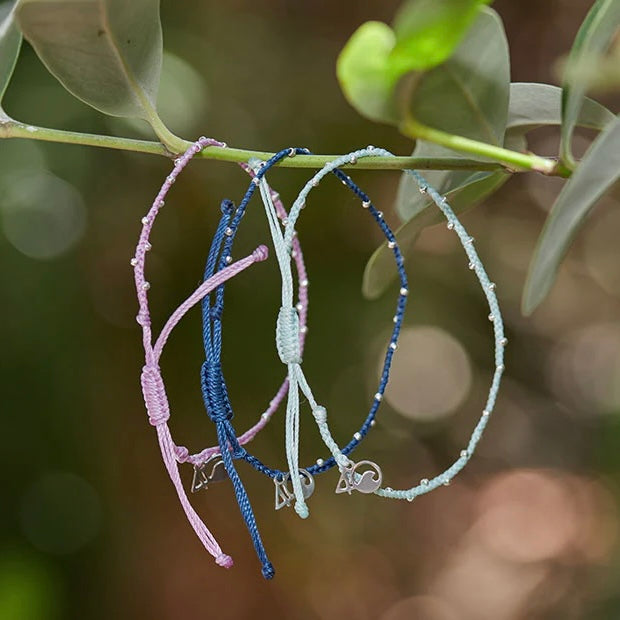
212,325
351,477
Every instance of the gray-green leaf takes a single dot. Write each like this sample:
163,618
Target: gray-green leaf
533,105
108,53
595,35
463,189
10,42
598,171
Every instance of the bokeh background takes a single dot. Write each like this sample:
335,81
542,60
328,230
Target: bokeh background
90,524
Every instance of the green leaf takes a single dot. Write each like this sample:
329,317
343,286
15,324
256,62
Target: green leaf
533,105
10,42
598,171
595,35
108,53
428,31
468,94
364,73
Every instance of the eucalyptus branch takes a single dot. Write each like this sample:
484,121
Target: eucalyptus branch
10,128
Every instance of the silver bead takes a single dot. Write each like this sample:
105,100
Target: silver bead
148,247
393,346
470,240
265,416
501,368
404,291
395,319
486,413
146,286
161,203
366,204
357,436
373,422
275,196
299,307
352,159
471,265
145,220
380,214
314,183
491,317
450,225
391,244
228,232
292,152
464,453
256,181
228,259
424,482
303,329
503,342
446,483
379,396
133,262
304,283
492,286
293,253
171,179
423,189
410,499
370,147
320,462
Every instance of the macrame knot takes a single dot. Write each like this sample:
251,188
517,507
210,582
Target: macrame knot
287,336
224,560
211,378
261,253
154,394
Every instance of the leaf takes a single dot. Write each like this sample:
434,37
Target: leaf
468,94
428,31
470,89
364,73
463,189
598,171
533,105
108,53
595,35
10,42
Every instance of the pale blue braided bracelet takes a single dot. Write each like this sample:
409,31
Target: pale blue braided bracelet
350,478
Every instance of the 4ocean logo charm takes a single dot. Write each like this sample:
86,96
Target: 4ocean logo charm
353,478
285,496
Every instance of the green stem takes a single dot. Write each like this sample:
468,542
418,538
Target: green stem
10,128
513,159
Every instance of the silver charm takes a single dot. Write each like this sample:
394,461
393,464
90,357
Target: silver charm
352,479
212,470
284,494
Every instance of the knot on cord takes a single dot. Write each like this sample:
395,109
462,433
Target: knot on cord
224,560
287,336
261,253
154,394
211,379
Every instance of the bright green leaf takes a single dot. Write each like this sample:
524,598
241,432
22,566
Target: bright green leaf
534,105
108,53
595,35
468,94
364,73
598,171
10,42
428,31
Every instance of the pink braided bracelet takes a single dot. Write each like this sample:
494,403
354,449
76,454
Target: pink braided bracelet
152,383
